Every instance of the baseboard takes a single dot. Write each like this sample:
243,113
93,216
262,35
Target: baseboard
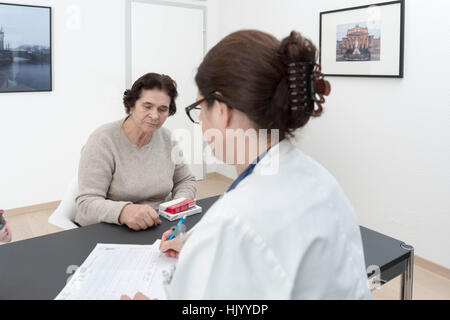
432,267
227,171
34,208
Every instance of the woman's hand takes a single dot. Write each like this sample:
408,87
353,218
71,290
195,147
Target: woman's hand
139,217
171,248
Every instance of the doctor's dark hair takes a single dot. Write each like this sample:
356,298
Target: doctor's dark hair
151,81
250,70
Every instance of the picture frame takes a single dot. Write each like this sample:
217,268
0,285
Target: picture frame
25,48
363,41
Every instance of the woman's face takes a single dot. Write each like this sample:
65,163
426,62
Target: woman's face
151,110
214,122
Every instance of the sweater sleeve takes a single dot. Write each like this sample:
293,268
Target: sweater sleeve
184,183
94,179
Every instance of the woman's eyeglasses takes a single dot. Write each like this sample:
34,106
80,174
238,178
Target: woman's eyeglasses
193,110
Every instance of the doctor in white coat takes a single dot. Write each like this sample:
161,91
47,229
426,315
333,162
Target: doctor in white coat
284,229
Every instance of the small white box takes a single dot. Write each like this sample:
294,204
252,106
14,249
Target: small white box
179,215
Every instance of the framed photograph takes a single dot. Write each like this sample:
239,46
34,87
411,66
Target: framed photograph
365,41
25,48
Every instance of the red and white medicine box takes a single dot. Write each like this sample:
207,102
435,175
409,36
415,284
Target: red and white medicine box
175,209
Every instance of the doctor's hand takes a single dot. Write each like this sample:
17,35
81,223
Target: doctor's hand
139,217
171,248
138,296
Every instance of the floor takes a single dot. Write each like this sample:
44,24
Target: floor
427,284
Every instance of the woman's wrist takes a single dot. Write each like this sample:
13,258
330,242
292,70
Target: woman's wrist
123,213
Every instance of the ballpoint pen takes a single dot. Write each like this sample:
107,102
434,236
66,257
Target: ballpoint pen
177,227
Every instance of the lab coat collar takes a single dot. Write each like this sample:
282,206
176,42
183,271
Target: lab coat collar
270,164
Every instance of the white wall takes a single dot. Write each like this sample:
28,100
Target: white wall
41,134
385,140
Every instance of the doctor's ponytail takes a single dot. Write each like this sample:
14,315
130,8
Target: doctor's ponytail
300,92
278,85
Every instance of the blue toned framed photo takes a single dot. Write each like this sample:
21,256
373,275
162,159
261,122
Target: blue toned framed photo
365,41
25,48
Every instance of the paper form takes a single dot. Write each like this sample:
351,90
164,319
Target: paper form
112,270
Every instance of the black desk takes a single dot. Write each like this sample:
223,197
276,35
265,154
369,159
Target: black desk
38,268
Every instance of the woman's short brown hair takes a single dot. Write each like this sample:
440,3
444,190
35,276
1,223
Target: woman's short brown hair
249,68
151,81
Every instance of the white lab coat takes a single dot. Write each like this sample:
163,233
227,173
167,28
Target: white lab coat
288,235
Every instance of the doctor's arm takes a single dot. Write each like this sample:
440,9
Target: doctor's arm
224,259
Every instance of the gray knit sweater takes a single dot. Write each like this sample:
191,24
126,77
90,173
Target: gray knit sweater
114,172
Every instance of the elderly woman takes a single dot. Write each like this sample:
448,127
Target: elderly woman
126,169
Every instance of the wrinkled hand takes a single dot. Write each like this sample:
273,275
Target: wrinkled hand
171,248
139,217
138,296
